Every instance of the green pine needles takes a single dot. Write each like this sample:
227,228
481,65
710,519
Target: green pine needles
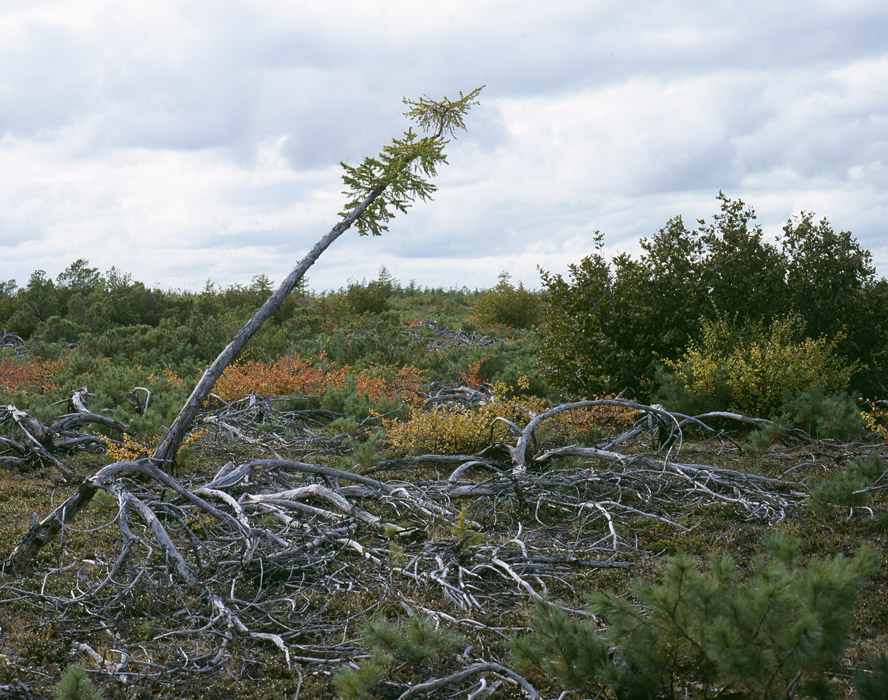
76,685
416,640
847,490
708,634
400,174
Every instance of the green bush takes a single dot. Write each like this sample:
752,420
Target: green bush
874,684
415,640
762,438
371,298
846,489
508,305
76,685
708,634
109,383
358,683
822,414
60,330
609,321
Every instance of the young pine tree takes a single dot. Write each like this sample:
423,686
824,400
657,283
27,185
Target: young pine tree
708,634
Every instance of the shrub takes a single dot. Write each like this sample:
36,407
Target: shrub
370,298
609,321
458,429
453,429
873,685
416,640
34,373
876,418
42,386
508,305
760,439
358,683
846,489
708,634
60,330
290,375
822,415
750,368
76,685
377,390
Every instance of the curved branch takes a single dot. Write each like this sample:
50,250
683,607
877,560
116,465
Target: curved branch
519,452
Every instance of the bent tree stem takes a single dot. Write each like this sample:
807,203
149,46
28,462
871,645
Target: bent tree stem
165,454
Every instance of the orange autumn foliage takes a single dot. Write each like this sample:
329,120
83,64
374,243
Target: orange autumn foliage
290,375
34,372
294,376
404,385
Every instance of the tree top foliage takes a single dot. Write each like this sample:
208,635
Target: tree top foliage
400,173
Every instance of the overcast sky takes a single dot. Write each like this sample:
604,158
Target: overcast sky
191,141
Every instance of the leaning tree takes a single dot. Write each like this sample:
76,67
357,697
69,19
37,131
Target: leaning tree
377,189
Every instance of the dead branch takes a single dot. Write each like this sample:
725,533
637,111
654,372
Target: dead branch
470,671
11,340
239,549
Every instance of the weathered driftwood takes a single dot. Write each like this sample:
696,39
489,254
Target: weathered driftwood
41,443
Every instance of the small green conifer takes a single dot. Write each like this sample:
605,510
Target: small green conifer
708,634
76,685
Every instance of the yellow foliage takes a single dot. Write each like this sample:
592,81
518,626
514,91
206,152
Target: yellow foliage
755,369
129,451
456,429
876,420
193,437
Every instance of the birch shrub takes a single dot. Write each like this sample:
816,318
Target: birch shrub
454,428
752,369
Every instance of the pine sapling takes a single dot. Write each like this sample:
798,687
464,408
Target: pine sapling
706,634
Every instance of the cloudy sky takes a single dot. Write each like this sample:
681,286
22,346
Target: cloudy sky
191,141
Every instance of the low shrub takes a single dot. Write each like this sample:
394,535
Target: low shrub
76,685
750,369
416,640
822,414
848,489
508,305
454,428
369,298
708,634
34,373
290,375
875,416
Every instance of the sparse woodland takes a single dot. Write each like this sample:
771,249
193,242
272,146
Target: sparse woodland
661,477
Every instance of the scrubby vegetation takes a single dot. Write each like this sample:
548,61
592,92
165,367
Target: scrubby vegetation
613,323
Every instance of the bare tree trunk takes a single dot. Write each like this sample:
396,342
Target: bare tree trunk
166,451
